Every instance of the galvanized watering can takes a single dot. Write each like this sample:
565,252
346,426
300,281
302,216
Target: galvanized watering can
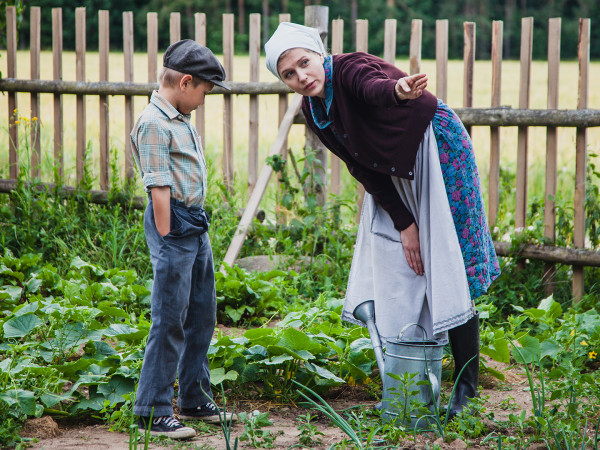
414,359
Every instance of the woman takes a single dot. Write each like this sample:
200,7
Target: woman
423,250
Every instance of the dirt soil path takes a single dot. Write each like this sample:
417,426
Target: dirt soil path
504,398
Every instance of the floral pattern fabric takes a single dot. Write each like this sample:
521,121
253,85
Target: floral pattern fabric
461,178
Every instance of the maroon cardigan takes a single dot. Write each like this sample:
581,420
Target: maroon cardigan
379,134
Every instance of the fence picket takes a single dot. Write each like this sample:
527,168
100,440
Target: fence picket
57,47
152,45
35,44
200,37
389,43
362,45
254,50
494,173
128,77
228,27
103,53
282,108
80,50
11,72
554,26
441,59
469,65
583,54
416,37
174,27
337,46
523,132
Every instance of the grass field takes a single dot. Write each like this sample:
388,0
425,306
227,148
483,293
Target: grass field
269,113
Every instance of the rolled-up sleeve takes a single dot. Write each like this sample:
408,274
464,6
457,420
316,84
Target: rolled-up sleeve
153,145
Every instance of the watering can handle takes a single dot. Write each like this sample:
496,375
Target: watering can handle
408,325
435,387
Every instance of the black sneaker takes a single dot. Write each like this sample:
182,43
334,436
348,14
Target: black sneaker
207,413
166,426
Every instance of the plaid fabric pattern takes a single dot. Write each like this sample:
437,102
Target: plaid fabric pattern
168,152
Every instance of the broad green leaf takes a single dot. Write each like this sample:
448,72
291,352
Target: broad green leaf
296,340
14,292
116,388
322,372
75,366
277,350
261,336
552,308
26,308
125,332
529,352
218,375
276,360
49,399
25,400
21,326
33,285
498,348
95,403
112,310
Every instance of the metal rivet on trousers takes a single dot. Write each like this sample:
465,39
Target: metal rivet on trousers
356,154
393,169
345,135
374,164
410,173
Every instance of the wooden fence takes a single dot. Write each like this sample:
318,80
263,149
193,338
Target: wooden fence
494,117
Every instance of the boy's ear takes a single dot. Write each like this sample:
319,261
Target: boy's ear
185,81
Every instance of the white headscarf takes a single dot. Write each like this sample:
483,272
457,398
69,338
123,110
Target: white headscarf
291,35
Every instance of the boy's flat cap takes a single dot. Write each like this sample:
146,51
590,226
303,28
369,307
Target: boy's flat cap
189,57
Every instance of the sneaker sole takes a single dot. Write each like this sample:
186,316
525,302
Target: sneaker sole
184,433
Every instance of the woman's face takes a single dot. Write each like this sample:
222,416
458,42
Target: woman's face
302,71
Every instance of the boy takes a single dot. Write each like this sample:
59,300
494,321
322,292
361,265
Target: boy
169,156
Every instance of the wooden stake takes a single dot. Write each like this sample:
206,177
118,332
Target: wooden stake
261,185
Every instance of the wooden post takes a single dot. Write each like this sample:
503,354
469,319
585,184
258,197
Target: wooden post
80,48
11,72
57,46
441,59
261,185
522,145
283,106
469,65
35,43
389,44
174,27
362,45
583,55
152,45
254,50
228,26
103,53
318,17
337,46
416,33
128,77
494,174
200,36
554,26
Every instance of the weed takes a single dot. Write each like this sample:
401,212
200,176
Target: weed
309,433
253,429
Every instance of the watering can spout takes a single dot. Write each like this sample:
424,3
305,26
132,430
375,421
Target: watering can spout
365,312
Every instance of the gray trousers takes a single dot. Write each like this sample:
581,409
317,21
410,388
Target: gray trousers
183,307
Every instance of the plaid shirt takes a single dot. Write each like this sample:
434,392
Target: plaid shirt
168,152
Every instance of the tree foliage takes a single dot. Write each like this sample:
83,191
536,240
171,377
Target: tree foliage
482,12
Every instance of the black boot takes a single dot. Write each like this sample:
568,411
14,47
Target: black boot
464,341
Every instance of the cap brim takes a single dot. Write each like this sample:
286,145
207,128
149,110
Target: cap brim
221,84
